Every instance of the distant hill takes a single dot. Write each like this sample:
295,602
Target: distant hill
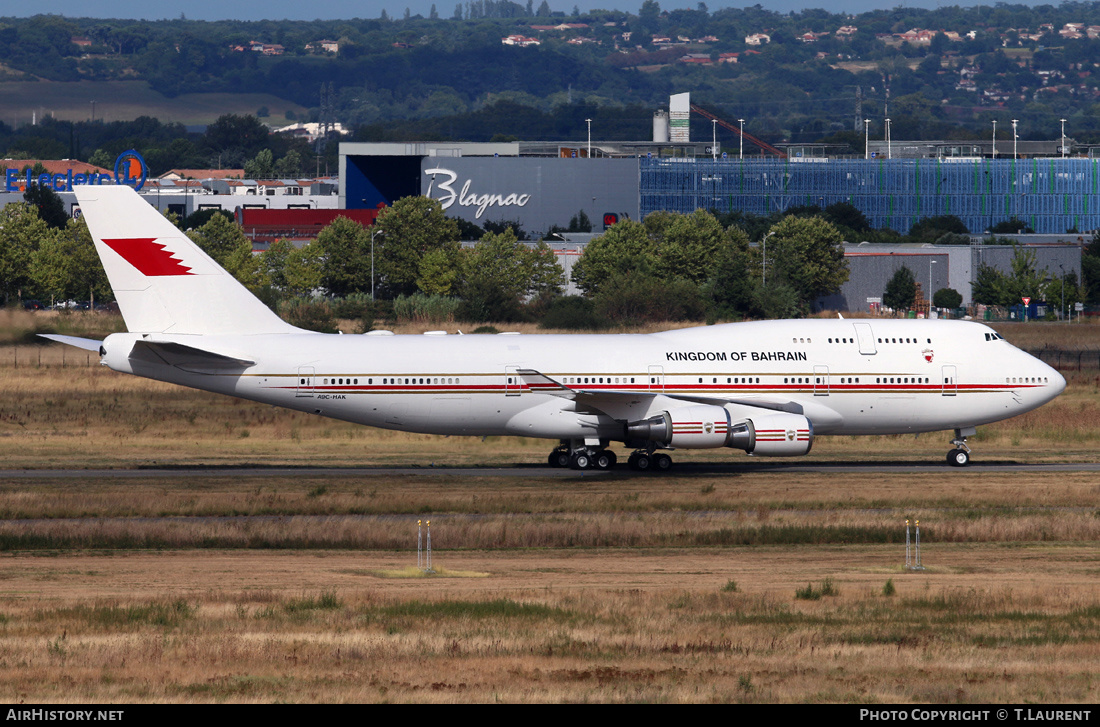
127,100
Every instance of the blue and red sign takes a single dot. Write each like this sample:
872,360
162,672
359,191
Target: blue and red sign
130,169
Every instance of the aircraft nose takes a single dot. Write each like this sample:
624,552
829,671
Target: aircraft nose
1054,382
1057,382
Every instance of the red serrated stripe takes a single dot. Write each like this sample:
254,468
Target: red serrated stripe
147,256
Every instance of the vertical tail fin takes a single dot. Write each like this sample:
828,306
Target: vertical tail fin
163,281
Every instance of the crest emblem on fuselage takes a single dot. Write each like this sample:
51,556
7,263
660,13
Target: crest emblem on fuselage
928,355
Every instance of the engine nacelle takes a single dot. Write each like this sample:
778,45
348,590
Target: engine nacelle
771,434
779,434
689,427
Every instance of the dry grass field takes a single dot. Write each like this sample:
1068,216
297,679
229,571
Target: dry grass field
766,586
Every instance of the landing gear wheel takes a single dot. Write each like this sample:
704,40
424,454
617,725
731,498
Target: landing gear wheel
640,462
662,462
558,458
958,458
580,461
604,459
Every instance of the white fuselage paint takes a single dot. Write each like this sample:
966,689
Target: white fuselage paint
898,376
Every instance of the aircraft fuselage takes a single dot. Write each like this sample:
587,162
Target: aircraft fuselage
874,376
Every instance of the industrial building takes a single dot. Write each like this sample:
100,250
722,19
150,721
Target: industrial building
934,267
520,181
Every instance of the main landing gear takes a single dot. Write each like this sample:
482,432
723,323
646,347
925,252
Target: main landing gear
960,455
582,458
643,460
600,458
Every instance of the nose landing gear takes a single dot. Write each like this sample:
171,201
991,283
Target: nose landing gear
960,455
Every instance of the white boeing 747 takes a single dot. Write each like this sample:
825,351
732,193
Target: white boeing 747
766,387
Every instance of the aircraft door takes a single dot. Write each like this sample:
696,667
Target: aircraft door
950,382
305,381
821,380
513,384
657,378
866,338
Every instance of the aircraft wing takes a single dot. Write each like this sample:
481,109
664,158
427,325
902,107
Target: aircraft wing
611,401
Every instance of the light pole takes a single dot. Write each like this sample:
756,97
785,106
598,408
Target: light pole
1015,136
994,138
930,264
866,138
889,147
1063,138
764,266
589,122
741,140
372,235
714,139
1063,287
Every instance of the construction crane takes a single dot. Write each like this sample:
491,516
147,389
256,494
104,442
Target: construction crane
735,129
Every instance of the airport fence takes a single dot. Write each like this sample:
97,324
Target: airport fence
1068,359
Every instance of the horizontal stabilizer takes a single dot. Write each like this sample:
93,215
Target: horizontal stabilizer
187,358
88,344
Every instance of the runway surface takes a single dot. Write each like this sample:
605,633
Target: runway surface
533,470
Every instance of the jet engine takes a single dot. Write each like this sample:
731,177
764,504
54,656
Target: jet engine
771,434
779,434
689,427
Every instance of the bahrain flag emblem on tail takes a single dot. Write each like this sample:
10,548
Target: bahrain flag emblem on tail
147,256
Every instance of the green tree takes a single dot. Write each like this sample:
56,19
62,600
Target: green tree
224,241
731,286
346,263
304,271
847,215
273,263
21,232
1063,292
290,166
642,296
51,209
806,253
691,244
438,272
1026,280
66,266
406,231
580,223
901,290
947,298
230,132
990,287
617,250
931,229
500,272
260,166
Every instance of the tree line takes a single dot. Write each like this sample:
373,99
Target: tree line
410,264
668,267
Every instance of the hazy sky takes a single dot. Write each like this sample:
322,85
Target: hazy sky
331,9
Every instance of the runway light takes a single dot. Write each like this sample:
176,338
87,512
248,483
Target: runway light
912,555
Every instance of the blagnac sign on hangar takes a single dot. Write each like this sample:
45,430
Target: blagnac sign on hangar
470,184
538,192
